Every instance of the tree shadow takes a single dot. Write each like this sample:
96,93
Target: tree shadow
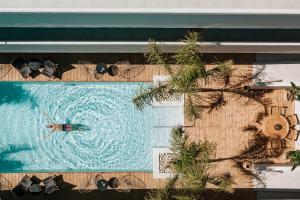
233,88
7,164
61,70
250,128
14,93
257,151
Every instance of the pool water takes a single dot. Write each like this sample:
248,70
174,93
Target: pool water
117,136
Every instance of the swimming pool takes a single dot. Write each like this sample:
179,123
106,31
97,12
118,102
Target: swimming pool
118,137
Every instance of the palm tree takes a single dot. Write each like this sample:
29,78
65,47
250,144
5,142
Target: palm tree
294,157
193,169
188,153
188,76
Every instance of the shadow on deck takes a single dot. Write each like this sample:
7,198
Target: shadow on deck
239,194
133,58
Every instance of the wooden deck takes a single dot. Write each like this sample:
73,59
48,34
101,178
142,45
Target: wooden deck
85,73
223,126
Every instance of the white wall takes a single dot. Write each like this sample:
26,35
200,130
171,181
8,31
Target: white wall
140,47
102,5
154,13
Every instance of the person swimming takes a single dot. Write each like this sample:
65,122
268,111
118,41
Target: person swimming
68,127
60,127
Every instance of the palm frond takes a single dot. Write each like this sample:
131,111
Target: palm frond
223,182
178,139
196,178
189,54
191,109
146,96
207,151
187,153
223,70
154,55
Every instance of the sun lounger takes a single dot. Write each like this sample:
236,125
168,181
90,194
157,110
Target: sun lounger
23,186
53,183
34,64
279,74
22,66
49,69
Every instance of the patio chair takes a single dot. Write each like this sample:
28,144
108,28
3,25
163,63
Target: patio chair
128,182
91,184
83,64
23,186
50,68
286,143
100,70
283,110
293,120
275,143
128,71
113,70
292,135
275,110
22,66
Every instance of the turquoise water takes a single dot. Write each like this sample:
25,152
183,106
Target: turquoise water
118,137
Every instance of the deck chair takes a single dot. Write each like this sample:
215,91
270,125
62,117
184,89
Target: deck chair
292,135
22,66
90,184
85,66
50,68
269,110
283,110
275,143
128,182
128,71
23,186
293,120
286,143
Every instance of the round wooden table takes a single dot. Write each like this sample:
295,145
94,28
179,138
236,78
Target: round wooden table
275,126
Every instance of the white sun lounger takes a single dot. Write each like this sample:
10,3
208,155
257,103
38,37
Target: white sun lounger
276,74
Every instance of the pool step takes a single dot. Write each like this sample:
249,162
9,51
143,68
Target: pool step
168,116
161,136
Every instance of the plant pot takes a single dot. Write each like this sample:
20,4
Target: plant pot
247,165
247,88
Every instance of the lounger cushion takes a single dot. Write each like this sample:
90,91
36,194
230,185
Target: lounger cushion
48,71
34,65
25,71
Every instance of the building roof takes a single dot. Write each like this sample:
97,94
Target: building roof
198,6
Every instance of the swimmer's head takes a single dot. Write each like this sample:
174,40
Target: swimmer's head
50,126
